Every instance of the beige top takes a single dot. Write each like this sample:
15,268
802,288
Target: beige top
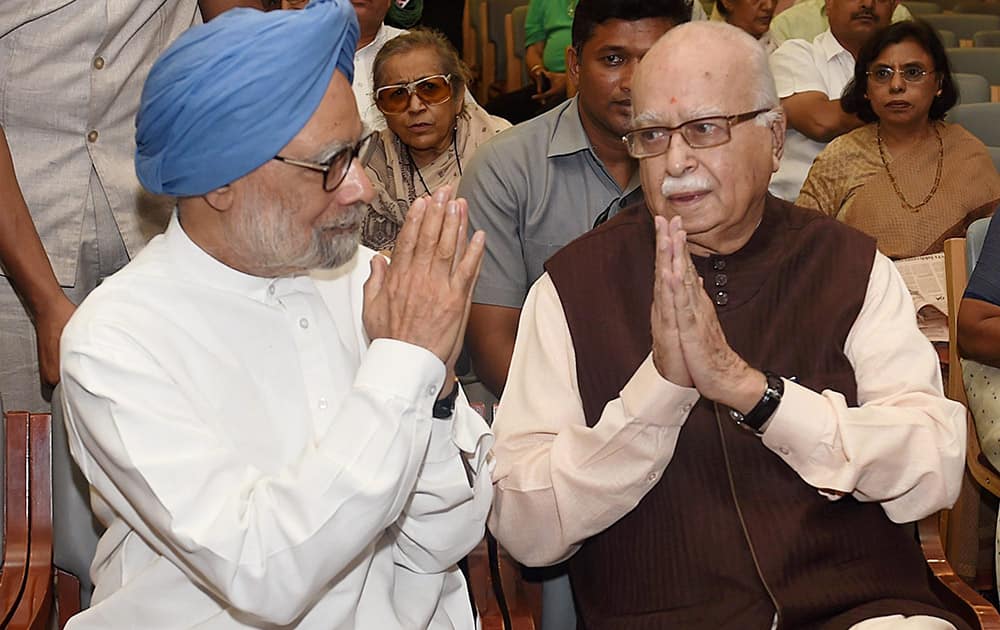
849,181
559,482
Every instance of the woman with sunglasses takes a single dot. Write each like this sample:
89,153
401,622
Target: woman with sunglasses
432,129
907,178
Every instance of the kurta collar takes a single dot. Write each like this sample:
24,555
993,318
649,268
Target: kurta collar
200,267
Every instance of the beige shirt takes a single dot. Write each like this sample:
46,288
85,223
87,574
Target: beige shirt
559,482
71,75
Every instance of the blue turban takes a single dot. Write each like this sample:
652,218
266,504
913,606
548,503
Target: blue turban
228,95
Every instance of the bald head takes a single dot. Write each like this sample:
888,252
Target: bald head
713,173
716,56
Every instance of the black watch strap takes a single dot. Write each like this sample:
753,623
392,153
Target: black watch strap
444,407
764,408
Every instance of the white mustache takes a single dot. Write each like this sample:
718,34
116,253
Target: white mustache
686,184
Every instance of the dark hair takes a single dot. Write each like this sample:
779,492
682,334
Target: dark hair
590,13
419,38
720,6
853,100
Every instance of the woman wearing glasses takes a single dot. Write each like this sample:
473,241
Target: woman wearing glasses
432,130
907,178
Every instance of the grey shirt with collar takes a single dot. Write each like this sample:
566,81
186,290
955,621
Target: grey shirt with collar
533,189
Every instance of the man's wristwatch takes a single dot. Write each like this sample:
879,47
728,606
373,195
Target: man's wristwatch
444,407
765,407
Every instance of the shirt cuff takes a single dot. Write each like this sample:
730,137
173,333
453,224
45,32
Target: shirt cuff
652,399
402,370
798,426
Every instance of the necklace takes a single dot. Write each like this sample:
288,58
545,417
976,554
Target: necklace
415,168
895,186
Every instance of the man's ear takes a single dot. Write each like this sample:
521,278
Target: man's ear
573,67
778,138
221,199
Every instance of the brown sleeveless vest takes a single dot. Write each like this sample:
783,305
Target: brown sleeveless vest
731,533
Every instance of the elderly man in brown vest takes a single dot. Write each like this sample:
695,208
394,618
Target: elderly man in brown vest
720,408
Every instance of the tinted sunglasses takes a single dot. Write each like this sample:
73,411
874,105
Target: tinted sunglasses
432,90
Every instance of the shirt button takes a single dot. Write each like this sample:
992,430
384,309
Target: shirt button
721,298
651,477
92,136
270,289
719,264
784,450
721,279
98,63
322,404
303,323
432,390
686,407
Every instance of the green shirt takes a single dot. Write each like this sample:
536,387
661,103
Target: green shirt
550,21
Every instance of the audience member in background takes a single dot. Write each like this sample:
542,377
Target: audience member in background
374,34
720,407
446,16
907,178
807,19
979,347
753,16
810,77
71,79
541,184
432,130
404,13
547,35
268,413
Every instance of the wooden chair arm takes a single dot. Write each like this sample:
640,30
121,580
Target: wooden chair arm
523,600
67,596
955,594
14,570
35,605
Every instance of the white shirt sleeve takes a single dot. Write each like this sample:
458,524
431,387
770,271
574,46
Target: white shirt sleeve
558,481
904,445
266,543
794,69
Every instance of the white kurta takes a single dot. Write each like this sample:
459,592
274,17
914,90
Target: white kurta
257,462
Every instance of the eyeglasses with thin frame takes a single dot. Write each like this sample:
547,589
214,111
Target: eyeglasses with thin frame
700,133
335,168
884,74
432,90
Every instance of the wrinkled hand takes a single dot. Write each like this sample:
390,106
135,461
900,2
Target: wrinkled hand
557,86
714,368
49,324
424,296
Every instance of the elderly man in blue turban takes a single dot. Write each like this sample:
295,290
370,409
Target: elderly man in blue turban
265,411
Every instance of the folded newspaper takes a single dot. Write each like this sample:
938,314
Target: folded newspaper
925,278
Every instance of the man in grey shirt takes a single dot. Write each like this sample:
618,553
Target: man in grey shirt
539,185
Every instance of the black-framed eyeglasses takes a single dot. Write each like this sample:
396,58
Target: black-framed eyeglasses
335,168
432,90
910,74
700,133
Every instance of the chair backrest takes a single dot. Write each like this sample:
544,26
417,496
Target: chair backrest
995,154
977,7
972,88
921,8
964,26
980,119
948,38
16,519
982,61
517,74
974,238
493,49
986,39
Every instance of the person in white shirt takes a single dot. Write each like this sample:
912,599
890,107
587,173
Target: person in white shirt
810,77
267,413
374,34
